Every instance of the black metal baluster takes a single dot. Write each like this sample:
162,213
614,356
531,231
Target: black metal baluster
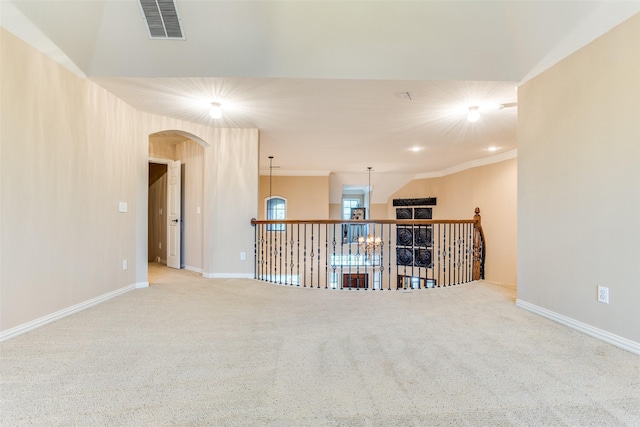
291,263
326,251
455,242
280,254
381,259
319,253
304,258
459,258
449,256
343,238
350,259
311,255
286,254
333,257
298,258
261,256
439,254
274,234
389,260
470,253
270,263
429,255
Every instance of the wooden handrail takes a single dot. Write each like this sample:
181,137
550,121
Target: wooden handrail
367,221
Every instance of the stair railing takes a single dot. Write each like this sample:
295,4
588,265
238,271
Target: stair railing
369,254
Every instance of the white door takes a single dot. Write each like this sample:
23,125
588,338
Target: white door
173,215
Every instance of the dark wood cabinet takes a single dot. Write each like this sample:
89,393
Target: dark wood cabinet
355,280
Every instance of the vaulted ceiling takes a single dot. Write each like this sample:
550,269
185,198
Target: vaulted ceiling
333,86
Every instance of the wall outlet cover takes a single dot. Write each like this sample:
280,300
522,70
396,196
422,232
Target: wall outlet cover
603,294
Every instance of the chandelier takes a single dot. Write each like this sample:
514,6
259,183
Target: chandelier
369,245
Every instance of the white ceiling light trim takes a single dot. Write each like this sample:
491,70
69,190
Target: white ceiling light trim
216,110
473,115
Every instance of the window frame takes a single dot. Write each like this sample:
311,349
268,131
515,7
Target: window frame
268,212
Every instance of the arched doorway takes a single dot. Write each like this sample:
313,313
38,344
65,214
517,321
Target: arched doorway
180,153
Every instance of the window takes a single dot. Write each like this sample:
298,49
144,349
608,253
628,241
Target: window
276,209
347,204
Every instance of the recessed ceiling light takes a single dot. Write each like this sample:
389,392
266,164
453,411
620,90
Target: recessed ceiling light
216,110
492,148
416,149
473,115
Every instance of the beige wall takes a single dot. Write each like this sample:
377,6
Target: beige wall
307,196
335,211
579,184
379,211
493,189
159,148
191,154
71,152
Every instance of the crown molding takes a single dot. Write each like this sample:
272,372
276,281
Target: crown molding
282,172
470,165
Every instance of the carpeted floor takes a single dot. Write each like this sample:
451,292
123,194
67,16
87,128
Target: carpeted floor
190,351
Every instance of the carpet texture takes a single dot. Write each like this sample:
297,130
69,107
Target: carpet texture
189,351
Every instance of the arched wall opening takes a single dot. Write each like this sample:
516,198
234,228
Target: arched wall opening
165,148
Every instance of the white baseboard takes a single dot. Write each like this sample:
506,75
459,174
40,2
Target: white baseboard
605,336
142,285
29,326
227,275
194,269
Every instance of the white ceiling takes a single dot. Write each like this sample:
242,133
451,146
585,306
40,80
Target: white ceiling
326,82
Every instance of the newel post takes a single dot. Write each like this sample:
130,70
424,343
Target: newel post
478,246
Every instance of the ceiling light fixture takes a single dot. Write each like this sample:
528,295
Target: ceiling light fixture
216,110
473,115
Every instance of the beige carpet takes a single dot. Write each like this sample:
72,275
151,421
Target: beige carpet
190,351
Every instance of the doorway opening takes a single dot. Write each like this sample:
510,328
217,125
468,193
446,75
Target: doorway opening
175,200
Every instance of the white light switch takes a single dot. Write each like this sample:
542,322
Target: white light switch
198,210
122,207
124,264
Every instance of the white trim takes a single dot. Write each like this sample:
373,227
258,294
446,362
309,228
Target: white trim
470,165
282,172
194,269
159,160
141,285
227,275
29,326
605,336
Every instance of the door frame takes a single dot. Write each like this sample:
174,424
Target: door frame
167,162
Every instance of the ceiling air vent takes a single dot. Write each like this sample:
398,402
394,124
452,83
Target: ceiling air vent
162,19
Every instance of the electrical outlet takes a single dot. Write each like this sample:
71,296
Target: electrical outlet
124,264
603,294
243,256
